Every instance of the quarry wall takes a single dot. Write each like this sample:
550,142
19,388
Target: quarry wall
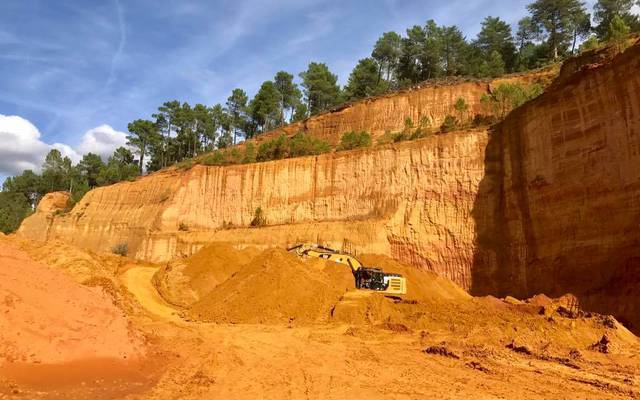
547,201
568,216
410,200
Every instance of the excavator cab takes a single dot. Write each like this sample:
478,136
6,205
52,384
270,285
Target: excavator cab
370,278
376,279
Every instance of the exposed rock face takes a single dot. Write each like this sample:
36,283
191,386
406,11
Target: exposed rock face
39,223
547,202
570,193
411,200
425,106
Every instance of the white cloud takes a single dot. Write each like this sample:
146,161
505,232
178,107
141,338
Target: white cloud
21,147
102,140
67,151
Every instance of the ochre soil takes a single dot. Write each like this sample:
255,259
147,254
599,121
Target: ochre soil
275,326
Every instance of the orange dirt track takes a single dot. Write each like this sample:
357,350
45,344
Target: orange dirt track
437,342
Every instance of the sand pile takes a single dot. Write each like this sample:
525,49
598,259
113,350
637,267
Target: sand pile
80,265
46,317
184,282
277,287
422,285
428,296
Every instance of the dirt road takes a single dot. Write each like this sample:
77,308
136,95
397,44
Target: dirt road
247,361
138,283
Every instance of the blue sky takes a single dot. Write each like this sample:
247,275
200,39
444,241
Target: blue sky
77,71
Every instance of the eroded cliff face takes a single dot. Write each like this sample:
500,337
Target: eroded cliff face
570,197
411,200
547,202
426,105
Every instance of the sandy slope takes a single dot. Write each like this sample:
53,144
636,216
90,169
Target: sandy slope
57,335
46,317
372,347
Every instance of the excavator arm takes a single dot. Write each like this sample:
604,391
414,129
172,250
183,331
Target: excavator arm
317,251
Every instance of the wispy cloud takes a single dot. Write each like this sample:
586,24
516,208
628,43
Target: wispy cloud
319,23
121,43
75,65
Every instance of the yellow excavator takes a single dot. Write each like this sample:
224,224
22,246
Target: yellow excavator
366,277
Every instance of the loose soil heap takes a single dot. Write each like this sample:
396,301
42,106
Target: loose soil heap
184,282
46,317
277,287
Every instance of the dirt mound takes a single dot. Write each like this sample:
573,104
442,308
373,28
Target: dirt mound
280,287
277,287
428,294
46,317
186,281
422,285
80,265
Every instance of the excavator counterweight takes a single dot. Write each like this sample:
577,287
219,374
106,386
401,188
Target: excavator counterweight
370,278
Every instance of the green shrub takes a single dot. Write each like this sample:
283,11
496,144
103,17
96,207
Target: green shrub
233,156
408,124
258,218
386,138
185,165
14,208
249,153
215,158
419,133
508,96
277,148
450,123
589,44
302,144
120,249
273,149
484,120
401,137
353,140
425,122
183,227
461,108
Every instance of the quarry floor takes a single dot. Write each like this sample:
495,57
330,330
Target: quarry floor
184,358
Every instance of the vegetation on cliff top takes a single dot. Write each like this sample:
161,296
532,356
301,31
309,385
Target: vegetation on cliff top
552,30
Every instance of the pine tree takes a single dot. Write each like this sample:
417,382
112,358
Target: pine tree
386,52
556,17
495,36
618,30
606,10
142,134
289,93
364,80
321,89
237,107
